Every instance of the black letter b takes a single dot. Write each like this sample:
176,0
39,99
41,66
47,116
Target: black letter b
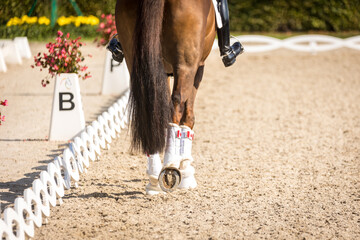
61,101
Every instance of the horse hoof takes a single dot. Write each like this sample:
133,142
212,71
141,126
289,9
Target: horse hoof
153,190
169,179
188,183
188,180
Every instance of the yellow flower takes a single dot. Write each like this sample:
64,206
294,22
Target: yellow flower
79,20
31,20
14,21
10,22
91,20
44,20
63,21
94,20
24,18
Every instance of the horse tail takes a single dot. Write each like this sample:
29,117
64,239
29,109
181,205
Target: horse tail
149,96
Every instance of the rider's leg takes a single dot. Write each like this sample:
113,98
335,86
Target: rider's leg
227,52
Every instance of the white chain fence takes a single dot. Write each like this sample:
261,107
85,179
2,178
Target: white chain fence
63,173
303,43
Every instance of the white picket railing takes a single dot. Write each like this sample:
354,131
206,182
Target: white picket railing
304,43
63,173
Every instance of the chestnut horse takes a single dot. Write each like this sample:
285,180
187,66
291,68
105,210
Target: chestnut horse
160,38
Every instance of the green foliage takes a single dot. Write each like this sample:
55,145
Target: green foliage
294,15
18,8
43,32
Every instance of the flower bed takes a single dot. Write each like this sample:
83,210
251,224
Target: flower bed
77,21
39,28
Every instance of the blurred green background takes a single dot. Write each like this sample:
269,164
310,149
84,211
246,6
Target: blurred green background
294,15
245,16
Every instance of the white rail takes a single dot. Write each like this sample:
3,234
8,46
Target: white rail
303,43
63,173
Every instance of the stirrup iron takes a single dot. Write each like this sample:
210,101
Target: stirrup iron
115,48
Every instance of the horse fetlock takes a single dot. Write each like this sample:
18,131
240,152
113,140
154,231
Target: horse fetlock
153,171
187,171
154,165
173,142
187,136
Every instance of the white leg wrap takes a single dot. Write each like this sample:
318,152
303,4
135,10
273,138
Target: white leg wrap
187,171
172,155
153,171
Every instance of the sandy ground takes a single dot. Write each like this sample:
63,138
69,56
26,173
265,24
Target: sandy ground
277,154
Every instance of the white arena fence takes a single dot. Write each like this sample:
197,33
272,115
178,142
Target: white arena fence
63,173
303,43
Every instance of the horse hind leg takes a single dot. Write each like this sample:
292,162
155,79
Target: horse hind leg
187,171
187,136
174,165
153,170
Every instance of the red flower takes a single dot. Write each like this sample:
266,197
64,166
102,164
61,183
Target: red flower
106,29
63,56
4,103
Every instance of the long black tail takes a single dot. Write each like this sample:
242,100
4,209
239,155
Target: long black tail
149,98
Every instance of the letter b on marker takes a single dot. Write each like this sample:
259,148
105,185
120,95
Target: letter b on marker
65,98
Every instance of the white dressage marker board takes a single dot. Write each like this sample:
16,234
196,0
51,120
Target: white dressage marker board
10,51
3,67
23,46
67,117
116,76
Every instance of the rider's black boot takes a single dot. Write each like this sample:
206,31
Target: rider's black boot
115,48
228,53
